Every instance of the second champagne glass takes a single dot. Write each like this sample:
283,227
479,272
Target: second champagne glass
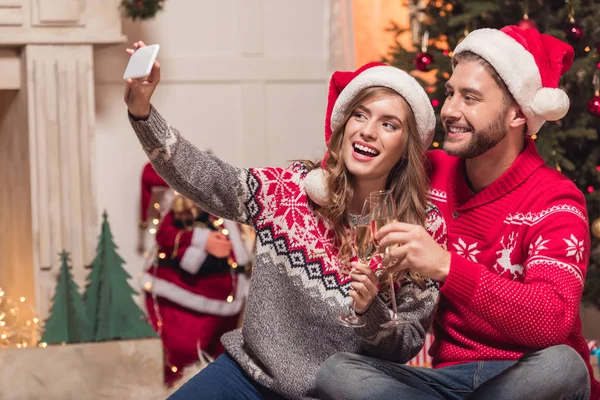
383,212
365,249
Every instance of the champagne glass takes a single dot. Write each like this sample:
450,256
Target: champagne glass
365,249
383,212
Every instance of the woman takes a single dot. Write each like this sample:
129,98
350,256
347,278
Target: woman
379,122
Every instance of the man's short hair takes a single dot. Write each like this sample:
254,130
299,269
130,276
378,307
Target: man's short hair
469,56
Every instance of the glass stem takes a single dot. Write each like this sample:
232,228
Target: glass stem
393,296
351,312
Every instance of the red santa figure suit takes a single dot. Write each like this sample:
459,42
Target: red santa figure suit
192,296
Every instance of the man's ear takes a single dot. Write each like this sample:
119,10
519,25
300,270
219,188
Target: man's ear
517,118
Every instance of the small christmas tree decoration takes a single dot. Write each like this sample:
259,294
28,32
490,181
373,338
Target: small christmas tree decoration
574,32
142,9
68,322
594,103
108,298
595,228
417,18
424,59
526,23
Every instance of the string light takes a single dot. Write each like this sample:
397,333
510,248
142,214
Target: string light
587,49
152,258
436,144
19,323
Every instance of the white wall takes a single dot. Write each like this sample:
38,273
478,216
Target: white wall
244,78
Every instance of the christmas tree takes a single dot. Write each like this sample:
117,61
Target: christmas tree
68,322
108,298
569,145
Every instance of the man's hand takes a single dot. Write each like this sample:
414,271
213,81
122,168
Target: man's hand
217,245
364,288
416,250
138,92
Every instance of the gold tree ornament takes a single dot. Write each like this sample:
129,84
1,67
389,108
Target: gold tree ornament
595,228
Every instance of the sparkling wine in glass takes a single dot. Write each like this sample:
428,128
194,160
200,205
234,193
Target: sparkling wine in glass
365,249
383,212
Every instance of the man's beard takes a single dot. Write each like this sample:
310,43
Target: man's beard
481,141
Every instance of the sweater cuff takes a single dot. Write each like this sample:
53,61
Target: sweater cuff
462,281
377,314
152,132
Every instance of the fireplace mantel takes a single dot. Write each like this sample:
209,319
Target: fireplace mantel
24,22
47,138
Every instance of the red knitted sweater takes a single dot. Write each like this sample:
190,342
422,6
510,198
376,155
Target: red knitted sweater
520,249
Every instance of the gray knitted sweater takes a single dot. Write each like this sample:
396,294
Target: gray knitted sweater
297,288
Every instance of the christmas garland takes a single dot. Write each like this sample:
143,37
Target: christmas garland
142,9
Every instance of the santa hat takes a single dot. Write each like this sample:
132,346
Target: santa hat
345,85
150,179
530,64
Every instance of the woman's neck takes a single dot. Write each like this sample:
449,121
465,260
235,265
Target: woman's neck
362,190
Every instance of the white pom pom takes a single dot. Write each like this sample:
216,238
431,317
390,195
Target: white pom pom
315,185
551,104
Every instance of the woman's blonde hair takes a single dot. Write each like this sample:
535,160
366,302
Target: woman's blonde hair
407,179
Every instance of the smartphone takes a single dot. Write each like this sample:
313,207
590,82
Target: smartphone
141,62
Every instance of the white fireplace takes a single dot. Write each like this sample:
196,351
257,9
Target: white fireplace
47,122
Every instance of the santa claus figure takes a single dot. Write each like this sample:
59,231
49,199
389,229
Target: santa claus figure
196,287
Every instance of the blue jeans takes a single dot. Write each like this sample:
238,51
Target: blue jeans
223,379
555,373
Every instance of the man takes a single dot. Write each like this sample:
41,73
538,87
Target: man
508,324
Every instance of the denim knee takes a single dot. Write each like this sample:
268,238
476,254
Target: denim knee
334,373
333,367
565,359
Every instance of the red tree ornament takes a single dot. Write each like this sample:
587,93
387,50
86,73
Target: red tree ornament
574,32
423,60
526,23
594,105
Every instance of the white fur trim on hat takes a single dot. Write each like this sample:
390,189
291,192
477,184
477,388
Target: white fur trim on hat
519,71
399,81
315,185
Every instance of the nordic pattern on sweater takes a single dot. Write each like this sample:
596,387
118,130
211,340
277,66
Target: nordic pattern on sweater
520,251
297,286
